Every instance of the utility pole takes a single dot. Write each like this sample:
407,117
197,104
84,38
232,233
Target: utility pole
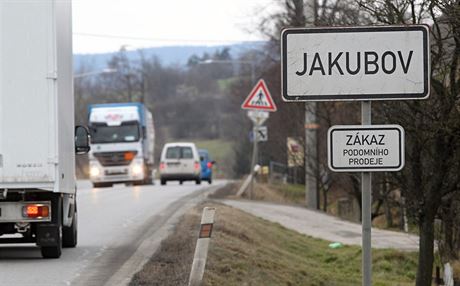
311,128
311,156
143,81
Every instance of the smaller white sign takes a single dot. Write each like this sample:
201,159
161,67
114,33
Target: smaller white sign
365,148
262,134
258,116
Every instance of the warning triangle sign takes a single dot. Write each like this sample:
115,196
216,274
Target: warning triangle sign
259,98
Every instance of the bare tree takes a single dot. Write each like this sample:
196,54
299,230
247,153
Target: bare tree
432,126
430,180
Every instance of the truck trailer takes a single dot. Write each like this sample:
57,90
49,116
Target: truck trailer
122,144
38,139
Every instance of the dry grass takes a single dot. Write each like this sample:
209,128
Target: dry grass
228,190
456,269
282,194
172,262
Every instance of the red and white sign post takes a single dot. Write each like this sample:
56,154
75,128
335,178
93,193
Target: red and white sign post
258,103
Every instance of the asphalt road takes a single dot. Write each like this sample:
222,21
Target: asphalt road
119,228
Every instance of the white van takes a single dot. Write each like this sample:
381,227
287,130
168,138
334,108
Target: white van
180,162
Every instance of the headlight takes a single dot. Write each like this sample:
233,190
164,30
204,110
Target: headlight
94,171
137,169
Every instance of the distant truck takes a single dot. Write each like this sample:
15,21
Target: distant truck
38,139
122,144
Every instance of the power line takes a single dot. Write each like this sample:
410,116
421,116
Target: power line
122,37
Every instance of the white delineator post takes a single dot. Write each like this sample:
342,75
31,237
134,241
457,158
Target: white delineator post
366,211
201,249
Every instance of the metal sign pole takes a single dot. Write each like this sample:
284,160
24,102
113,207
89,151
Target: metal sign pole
254,157
366,196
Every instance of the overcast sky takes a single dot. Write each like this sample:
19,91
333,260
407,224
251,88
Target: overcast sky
106,25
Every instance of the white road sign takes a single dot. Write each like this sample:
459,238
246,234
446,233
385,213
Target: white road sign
355,63
365,148
262,134
258,116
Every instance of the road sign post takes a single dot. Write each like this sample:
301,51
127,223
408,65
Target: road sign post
254,160
358,63
366,209
366,148
259,103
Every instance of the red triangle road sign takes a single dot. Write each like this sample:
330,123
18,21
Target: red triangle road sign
259,98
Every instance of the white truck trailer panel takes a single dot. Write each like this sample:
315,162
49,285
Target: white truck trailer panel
36,96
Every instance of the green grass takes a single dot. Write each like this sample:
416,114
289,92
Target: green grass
224,84
293,193
246,250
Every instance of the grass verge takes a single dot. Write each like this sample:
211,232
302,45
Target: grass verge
246,250
293,193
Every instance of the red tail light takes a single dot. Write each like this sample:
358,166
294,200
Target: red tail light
209,165
36,210
162,166
197,166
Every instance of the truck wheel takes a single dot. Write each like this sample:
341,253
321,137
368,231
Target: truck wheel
102,185
210,181
51,252
198,181
138,183
149,177
70,233
98,185
163,182
181,182
55,251
148,181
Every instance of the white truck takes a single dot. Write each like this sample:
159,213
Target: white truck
38,139
122,144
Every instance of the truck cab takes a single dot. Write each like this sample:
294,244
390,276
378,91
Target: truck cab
122,143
